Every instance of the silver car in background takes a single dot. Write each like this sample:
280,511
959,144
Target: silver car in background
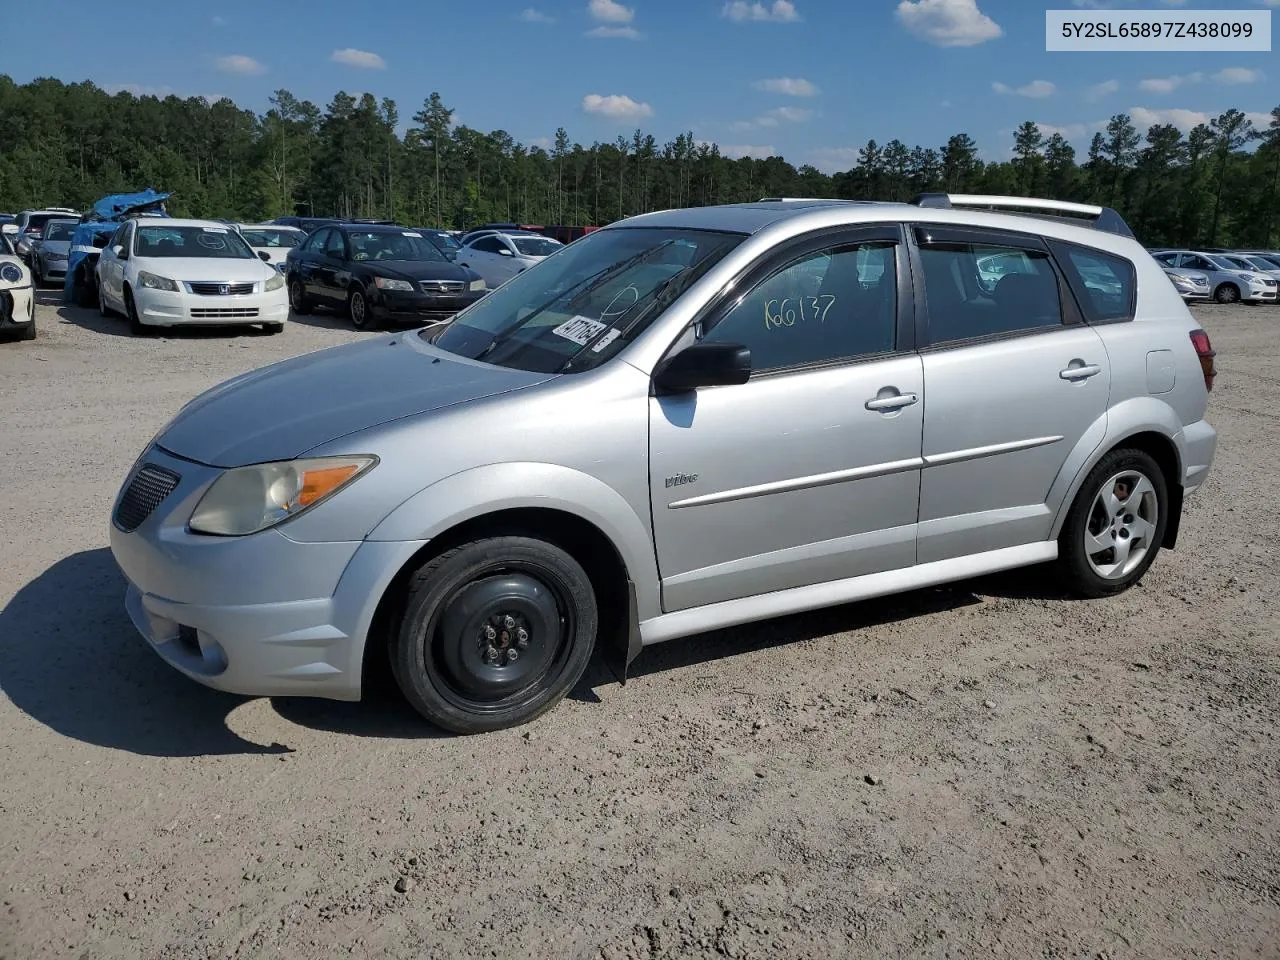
1191,285
685,421
1231,283
49,254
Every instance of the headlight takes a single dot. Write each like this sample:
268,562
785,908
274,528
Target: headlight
1250,277
153,282
478,285
275,281
384,283
248,499
10,273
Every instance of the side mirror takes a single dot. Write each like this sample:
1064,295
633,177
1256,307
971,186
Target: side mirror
118,250
503,251
704,365
264,256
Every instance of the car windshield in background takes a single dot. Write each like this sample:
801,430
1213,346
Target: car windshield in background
59,230
535,246
171,241
579,308
272,238
1260,263
392,245
446,241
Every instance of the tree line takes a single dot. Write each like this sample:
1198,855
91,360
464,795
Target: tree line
68,144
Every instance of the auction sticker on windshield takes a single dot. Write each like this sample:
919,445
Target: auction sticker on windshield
579,329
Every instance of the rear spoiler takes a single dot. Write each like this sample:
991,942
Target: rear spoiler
1100,218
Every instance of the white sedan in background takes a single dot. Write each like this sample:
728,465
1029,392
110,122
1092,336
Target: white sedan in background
162,272
498,257
17,295
273,240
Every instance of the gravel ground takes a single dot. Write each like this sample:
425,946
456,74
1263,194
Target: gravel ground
981,770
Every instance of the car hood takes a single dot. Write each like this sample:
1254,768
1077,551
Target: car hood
218,269
282,411
56,246
277,254
418,269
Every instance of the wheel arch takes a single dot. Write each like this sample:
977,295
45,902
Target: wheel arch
1145,423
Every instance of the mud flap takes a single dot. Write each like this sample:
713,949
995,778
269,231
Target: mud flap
1175,517
624,650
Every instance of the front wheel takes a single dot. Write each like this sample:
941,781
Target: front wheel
495,633
136,326
359,311
1226,293
272,328
1116,525
298,298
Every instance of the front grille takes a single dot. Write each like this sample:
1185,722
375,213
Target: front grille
229,313
219,289
149,486
442,287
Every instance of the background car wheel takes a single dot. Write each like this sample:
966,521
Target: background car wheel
1226,293
37,275
358,310
136,326
495,632
273,328
298,298
28,332
1116,525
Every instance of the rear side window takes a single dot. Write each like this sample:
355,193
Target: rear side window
1104,284
977,290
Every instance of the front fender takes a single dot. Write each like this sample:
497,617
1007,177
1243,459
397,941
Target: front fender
1126,419
511,486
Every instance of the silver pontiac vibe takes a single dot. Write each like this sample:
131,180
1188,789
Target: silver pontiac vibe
684,421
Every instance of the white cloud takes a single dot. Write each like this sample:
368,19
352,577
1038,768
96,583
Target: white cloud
739,150
616,106
532,15
238,63
788,86
610,11
160,92
1036,89
363,59
1144,117
1259,120
774,117
834,159
1235,75
1071,131
780,11
947,23
1100,90
1108,4
219,21
618,33
1169,84
543,142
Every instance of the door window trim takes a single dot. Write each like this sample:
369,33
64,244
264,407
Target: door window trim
1069,312
794,249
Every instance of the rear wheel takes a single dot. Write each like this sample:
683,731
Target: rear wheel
1227,293
495,633
298,298
1116,525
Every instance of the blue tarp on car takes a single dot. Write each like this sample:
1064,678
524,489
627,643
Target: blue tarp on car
91,236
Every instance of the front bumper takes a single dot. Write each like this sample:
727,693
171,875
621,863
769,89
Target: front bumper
261,615
421,307
1262,293
53,268
17,308
1200,441
166,308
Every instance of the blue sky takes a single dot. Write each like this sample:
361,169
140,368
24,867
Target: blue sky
809,79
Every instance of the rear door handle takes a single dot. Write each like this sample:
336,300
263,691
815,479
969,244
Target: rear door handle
894,402
1080,371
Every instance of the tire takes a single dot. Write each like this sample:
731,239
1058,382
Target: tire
273,328
84,293
1227,293
1096,550
103,309
466,681
358,310
299,302
28,332
37,274
136,326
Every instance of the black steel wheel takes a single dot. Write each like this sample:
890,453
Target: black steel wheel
298,299
495,632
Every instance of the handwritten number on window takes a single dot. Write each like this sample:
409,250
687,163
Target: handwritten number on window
785,313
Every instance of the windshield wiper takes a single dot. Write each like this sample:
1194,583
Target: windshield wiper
655,296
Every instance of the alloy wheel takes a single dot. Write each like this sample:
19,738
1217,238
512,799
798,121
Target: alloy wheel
1122,525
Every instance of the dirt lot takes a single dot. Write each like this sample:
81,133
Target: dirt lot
984,770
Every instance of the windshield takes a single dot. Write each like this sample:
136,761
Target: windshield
38,220
59,230
392,245
1259,263
535,246
577,309
174,241
272,238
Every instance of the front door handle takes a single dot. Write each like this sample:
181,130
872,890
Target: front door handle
892,402
1079,370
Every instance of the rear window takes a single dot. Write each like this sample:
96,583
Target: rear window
1104,284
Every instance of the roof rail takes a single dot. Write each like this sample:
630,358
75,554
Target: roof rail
1101,218
802,200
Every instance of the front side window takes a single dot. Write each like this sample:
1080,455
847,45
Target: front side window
979,290
271,238
574,311
333,245
535,246
489,244
221,243
835,304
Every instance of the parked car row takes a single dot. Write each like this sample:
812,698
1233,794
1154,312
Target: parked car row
1251,277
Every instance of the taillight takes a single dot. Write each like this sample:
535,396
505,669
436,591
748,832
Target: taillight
1206,353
